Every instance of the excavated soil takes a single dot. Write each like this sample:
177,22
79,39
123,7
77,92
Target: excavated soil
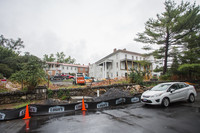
112,94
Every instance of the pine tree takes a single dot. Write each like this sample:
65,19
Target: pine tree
171,28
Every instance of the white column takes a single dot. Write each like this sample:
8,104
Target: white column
105,70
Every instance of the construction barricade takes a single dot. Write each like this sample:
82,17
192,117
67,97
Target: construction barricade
38,110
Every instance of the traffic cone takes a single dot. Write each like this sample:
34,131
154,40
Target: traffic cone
83,105
27,113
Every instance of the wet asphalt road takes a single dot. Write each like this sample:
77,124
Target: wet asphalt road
180,117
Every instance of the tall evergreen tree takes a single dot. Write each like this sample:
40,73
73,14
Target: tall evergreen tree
171,28
191,53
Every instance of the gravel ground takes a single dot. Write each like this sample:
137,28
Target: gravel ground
112,94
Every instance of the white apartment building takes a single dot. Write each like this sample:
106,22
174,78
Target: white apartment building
55,68
115,64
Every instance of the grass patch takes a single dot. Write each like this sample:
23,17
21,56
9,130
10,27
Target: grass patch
150,85
21,105
121,82
76,86
3,89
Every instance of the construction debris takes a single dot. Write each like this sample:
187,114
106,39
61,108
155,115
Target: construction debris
112,94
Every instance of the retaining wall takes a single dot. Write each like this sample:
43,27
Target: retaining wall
20,96
41,93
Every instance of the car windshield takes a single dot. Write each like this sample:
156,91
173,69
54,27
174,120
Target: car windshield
160,87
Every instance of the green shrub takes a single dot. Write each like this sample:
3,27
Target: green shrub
60,93
167,76
50,93
25,89
64,97
63,94
67,93
136,77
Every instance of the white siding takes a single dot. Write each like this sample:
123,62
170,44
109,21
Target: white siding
100,73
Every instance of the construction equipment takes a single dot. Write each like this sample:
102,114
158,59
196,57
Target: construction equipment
79,79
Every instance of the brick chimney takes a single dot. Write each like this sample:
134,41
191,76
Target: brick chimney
124,49
114,50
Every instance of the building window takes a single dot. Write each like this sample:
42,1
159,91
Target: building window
71,68
49,73
132,57
136,58
126,56
116,56
86,69
75,68
67,68
81,69
63,68
117,74
117,64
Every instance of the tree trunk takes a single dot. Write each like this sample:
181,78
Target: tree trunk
166,52
22,84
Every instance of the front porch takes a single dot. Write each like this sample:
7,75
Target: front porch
107,65
134,65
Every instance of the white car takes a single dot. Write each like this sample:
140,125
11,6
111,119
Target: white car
166,93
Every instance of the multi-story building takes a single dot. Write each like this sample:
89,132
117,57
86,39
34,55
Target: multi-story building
55,68
118,64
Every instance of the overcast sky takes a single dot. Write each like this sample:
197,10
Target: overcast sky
87,30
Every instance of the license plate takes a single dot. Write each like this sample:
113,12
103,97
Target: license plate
144,100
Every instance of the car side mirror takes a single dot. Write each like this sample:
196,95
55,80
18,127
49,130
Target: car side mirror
172,90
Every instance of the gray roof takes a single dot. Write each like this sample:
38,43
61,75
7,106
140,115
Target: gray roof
118,51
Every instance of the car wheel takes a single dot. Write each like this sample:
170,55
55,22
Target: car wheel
165,102
191,98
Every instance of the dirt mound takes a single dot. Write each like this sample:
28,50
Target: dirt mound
112,94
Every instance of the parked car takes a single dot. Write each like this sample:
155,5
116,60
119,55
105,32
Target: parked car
67,76
57,78
166,93
71,77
